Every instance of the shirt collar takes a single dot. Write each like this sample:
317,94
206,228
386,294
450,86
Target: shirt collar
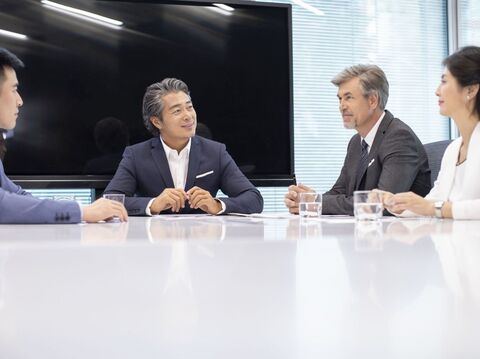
371,135
171,153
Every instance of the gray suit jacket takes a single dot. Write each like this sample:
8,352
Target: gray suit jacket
144,173
18,206
399,165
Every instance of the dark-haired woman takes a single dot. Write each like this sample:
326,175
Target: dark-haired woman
456,193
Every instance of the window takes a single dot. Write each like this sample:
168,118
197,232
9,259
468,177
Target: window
468,22
407,39
82,195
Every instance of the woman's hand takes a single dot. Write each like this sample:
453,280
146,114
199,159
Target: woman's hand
400,202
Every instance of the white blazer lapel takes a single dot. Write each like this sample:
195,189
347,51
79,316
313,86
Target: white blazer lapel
443,184
471,186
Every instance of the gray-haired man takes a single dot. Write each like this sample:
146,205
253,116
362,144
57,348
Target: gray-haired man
177,171
385,153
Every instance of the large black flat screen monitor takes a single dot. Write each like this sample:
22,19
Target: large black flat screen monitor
84,81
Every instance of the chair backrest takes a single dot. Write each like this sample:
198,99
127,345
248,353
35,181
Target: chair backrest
435,152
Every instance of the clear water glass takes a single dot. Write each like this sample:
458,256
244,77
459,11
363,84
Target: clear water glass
310,204
118,197
367,205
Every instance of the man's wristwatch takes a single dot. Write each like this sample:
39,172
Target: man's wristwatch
438,208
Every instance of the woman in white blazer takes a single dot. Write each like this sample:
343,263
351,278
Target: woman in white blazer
456,193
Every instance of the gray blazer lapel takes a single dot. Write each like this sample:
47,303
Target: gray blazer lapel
160,159
193,163
379,136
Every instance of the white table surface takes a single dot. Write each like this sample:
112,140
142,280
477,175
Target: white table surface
232,287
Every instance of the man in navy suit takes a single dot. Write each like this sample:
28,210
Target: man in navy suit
18,206
176,171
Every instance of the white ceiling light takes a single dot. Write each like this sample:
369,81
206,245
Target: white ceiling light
86,15
14,35
220,11
224,7
309,7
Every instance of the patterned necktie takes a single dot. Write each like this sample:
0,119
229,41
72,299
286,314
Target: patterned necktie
362,164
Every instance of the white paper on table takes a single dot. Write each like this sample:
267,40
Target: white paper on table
170,217
270,215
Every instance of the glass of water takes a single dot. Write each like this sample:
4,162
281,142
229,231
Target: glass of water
118,197
367,205
310,204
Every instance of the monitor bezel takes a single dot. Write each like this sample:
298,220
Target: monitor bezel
99,182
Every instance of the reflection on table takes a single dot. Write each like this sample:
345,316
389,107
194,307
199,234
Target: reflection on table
217,287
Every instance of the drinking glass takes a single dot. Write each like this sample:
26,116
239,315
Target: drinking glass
310,204
118,197
367,205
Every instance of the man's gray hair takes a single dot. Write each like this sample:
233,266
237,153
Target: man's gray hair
152,100
372,81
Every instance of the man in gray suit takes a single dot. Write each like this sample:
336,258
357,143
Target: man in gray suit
18,206
385,153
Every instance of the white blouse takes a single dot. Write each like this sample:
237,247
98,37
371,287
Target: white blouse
459,184
457,188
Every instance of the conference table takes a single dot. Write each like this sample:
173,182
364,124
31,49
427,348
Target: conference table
272,286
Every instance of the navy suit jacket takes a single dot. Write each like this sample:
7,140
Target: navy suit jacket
18,206
144,173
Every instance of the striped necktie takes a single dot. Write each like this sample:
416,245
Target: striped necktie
362,164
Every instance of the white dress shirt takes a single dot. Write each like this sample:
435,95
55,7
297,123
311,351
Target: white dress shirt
370,137
178,164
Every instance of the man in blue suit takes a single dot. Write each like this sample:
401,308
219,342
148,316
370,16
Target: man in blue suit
18,206
176,171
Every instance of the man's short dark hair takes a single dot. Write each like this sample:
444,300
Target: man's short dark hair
7,59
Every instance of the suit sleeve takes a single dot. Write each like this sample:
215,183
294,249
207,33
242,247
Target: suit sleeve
243,197
336,201
19,208
9,186
125,181
464,209
400,164
436,192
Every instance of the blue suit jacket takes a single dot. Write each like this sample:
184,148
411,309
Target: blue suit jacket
18,206
143,174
